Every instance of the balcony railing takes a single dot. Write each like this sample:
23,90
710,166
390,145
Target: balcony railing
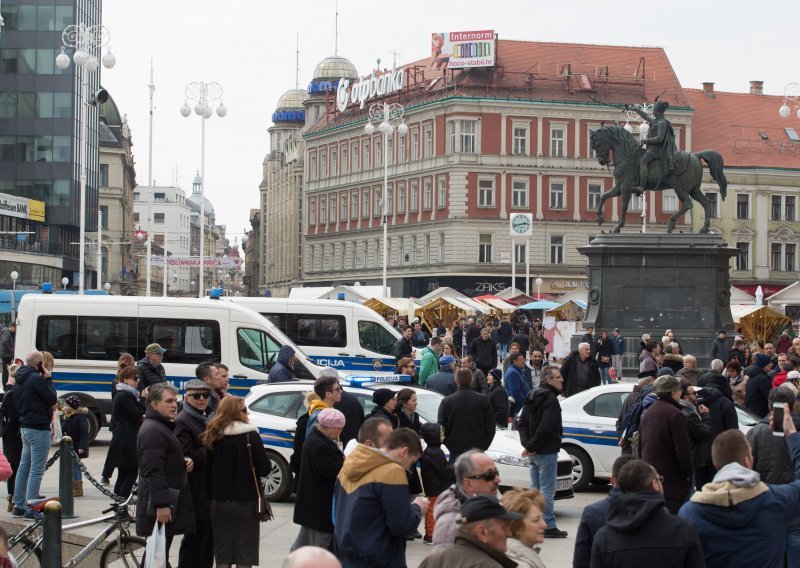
32,246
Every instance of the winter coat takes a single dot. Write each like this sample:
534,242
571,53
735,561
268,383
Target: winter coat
6,343
673,361
664,443
445,513
504,333
126,418
467,420
281,372
484,351
617,344
540,427
404,421
637,394
373,511
593,519
516,386
784,344
523,555
692,375
699,432
76,426
498,398
473,332
403,348
5,468
321,462
716,379
603,349
771,457
297,445
149,374
589,338
353,411
568,372
756,394
638,527
189,425
648,363
437,474
381,412
161,468
429,364
479,382
468,552
443,382
419,338
228,474
537,342
523,341
722,412
719,350
34,397
745,522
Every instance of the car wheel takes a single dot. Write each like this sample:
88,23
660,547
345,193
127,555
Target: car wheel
582,468
94,424
279,479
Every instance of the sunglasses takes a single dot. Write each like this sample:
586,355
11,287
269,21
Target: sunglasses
486,475
244,411
199,395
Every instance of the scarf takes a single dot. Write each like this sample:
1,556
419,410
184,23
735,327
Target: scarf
122,387
196,413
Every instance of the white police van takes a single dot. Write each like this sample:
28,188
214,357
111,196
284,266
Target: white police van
347,336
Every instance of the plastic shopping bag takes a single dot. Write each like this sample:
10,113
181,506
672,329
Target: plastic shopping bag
155,554
55,428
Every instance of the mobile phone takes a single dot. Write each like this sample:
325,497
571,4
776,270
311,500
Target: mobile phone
777,419
40,367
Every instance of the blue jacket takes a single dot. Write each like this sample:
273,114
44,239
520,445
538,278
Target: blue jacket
592,520
754,528
280,371
34,397
617,345
516,386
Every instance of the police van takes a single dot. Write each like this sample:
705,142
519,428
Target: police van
87,335
344,335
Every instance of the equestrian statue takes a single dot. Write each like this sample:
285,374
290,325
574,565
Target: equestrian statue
654,164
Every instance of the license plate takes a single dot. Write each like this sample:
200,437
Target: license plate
564,484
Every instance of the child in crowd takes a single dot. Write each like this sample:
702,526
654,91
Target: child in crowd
76,426
437,474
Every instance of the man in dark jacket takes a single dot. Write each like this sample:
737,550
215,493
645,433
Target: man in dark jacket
639,531
719,349
151,371
523,340
283,369
580,371
758,386
444,382
34,397
664,442
723,417
640,390
589,338
540,432
404,347
197,549
714,376
737,352
419,338
7,337
504,336
353,411
466,418
484,351
479,381
210,375
163,494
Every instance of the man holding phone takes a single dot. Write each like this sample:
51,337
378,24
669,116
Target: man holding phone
738,516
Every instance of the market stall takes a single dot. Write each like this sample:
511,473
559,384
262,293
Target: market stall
755,323
449,310
393,307
571,310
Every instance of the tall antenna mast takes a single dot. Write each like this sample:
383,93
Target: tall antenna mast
297,63
336,27
152,88
394,55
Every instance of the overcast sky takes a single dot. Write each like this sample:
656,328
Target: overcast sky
248,46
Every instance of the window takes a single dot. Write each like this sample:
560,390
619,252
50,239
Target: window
427,195
776,208
159,196
401,250
366,155
332,203
669,201
345,163
343,208
355,157
742,207
378,204
441,247
104,216
374,337
317,330
556,249
401,198
427,253
519,194
136,217
354,210
790,263
158,218
441,199
401,150
390,201
414,250
414,206
312,167
486,192
188,341
334,162
103,175
378,154
594,191
365,203
323,211
520,141
557,142
323,165
775,257
258,351
390,151
468,138
520,253
282,403
414,145
635,203
557,195
606,405
485,247
743,258
104,338
312,212
428,134
789,207
713,199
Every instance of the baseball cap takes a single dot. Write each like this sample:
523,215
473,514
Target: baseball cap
446,359
482,507
793,375
154,348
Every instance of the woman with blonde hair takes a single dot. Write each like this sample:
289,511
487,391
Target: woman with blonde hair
527,532
48,361
236,459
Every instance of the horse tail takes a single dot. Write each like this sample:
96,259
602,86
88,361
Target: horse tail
714,161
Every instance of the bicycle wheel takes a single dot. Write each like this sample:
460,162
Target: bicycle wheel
130,555
26,554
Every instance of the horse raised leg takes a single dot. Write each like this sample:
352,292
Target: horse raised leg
613,192
626,190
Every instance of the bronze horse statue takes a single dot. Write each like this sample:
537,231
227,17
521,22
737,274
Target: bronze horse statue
685,179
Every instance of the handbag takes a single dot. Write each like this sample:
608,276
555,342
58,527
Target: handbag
55,428
605,359
263,509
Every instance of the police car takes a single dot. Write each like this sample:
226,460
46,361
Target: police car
274,409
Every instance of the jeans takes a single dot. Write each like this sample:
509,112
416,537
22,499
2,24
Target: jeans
503,351
35,447
605,376
543,478
76,471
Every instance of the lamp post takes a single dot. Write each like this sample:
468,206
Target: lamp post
87,42
538,283
791,95
107,287
390,118
204,95
14,275
64,282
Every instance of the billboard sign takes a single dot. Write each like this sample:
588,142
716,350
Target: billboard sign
21,207
461,50
194,261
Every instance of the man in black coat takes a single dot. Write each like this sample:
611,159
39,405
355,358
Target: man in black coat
444,382
151,371
540,432
404,347
580,370
466,418
758,386
353,412
320,464
484,351
714,376
197,549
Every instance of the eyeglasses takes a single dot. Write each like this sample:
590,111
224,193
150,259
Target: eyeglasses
486,475
199,395
660,479
244,411
336,389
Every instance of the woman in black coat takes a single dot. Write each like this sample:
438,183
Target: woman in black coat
407,417
126,416
498,398
604,350
12,438
233,443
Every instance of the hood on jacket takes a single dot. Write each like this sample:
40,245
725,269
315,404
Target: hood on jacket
284,354
367,465
24,373
629,511
431,433
315,406
732,497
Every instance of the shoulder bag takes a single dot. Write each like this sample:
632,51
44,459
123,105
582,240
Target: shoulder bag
263,509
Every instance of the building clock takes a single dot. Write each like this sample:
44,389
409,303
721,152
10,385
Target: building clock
521,224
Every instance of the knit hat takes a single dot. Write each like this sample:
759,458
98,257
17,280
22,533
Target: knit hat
331,418
667,384
665,371
762,360
382,396
497,374
73,401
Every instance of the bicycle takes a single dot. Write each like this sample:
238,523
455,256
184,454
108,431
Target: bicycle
126,551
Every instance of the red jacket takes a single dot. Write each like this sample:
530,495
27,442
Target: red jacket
5,468
779,379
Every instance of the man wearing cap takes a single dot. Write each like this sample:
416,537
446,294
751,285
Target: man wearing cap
664,441
481,537
151,371
444,382
466,417
321,461
617,351
197,549
758,386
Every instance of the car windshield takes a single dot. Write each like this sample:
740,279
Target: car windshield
745,417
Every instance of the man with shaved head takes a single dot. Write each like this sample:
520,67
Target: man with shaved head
311,557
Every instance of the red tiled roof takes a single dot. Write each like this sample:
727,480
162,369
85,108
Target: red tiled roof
731,123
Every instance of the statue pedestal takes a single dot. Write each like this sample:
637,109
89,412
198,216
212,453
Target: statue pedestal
648,283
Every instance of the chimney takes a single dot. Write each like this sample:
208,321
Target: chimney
708,90
756,87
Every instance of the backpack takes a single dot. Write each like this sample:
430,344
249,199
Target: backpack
630,423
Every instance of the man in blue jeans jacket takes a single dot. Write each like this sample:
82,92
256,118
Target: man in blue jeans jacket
34,397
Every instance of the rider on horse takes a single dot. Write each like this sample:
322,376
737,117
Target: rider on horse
660,143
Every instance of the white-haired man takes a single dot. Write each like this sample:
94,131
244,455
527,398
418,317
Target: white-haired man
580,370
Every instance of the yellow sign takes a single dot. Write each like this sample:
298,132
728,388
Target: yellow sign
36,210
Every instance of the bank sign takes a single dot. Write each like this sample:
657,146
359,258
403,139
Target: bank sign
21,208
368,88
